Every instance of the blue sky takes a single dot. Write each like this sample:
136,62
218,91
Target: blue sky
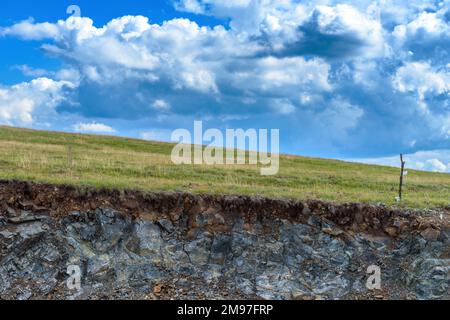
360,80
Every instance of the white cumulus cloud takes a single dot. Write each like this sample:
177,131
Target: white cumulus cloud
29,103
93,127
420,77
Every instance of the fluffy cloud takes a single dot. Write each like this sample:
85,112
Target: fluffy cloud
31,102
275,74
292,28
431,87
28,30
178,51
178,56
419,77
434,160
93,127
427,24
161,105
337,32
425,36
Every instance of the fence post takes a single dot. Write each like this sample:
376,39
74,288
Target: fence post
402,172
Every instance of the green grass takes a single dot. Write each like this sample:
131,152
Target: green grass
115,162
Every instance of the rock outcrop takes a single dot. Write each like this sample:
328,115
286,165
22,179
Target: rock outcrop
193,247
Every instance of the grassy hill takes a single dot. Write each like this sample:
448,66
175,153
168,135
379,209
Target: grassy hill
134,164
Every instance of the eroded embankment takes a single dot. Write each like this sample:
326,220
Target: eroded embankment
151,246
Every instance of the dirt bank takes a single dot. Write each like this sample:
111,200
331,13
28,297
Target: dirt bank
150,246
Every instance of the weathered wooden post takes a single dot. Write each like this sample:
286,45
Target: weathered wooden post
402,174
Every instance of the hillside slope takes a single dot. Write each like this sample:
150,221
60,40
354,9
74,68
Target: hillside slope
113,162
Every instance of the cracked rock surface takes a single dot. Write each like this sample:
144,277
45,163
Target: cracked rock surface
315,251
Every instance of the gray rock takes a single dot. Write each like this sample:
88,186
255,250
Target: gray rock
269,258
199,250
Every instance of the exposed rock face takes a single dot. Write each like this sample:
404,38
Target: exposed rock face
201,250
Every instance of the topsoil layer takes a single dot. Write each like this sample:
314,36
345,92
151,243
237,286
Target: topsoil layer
60,200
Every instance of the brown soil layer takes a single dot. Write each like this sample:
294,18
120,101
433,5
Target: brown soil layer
60,200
